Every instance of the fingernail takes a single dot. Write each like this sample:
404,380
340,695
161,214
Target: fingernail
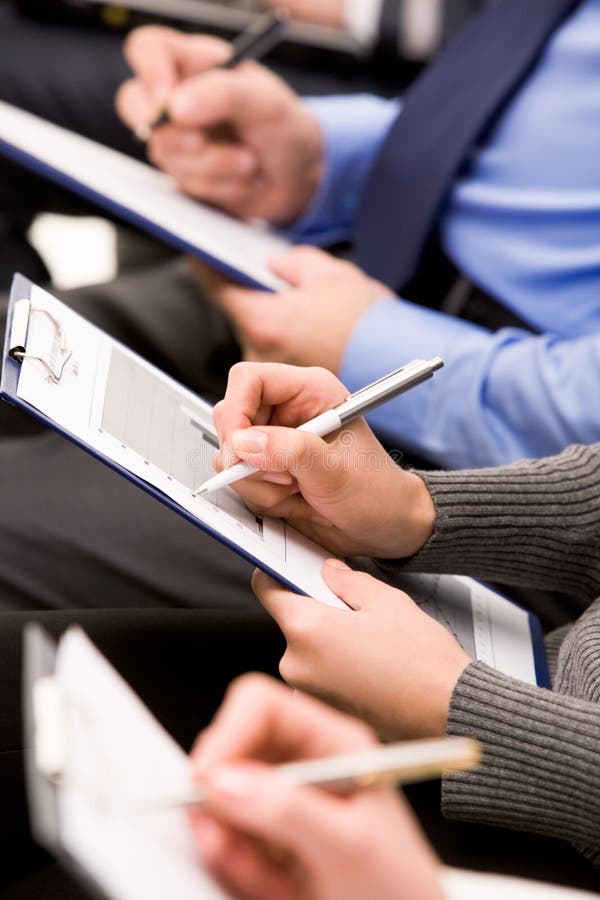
337,564
278,478
249,440
231,782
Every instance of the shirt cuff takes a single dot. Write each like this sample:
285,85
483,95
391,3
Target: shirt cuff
428,420
353,128
362,20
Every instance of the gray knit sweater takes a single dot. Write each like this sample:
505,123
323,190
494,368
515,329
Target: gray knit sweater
534,523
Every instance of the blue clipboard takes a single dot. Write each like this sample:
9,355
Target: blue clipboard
120,211
542,672
21,288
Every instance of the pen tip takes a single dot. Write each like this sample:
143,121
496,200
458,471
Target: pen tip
200,491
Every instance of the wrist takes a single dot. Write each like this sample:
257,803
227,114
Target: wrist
412,516
311,161
422,513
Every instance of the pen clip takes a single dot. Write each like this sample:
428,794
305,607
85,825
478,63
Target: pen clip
389,376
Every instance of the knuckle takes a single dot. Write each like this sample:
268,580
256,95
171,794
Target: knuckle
241,374
141,40
302,627
291,670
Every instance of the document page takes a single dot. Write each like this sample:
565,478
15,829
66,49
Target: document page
117,756
145,197
487,626
131,413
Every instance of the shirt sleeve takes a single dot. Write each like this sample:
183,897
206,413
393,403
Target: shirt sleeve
501,396
353,129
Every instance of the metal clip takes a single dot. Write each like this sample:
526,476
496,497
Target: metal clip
18,349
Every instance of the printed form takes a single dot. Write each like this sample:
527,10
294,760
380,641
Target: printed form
126,410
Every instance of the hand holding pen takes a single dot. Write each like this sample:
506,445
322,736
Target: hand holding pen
345,492
358,404
262,36
261,831
270,170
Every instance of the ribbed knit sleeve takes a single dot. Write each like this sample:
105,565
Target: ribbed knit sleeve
541,765
534,523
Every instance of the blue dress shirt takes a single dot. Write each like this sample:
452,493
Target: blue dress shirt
523,221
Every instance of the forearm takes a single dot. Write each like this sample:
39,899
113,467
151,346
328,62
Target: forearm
534,523
541,765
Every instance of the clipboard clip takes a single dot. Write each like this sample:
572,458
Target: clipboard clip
18,340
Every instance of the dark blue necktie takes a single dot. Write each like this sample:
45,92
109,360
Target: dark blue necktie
444,114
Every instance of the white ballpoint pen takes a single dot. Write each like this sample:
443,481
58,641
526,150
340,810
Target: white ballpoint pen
358,404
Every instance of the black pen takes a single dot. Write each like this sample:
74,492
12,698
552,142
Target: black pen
262,36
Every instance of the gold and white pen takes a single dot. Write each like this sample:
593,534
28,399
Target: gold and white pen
358,404
402,763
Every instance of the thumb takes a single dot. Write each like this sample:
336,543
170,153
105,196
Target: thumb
275,449
357,589
256,800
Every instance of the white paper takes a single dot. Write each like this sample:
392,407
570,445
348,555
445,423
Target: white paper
488,627
113,402
460,885
118,755
148,194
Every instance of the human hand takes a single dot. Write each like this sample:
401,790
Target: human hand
309,325
384,660
345,492
240,139
263,839
317,12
